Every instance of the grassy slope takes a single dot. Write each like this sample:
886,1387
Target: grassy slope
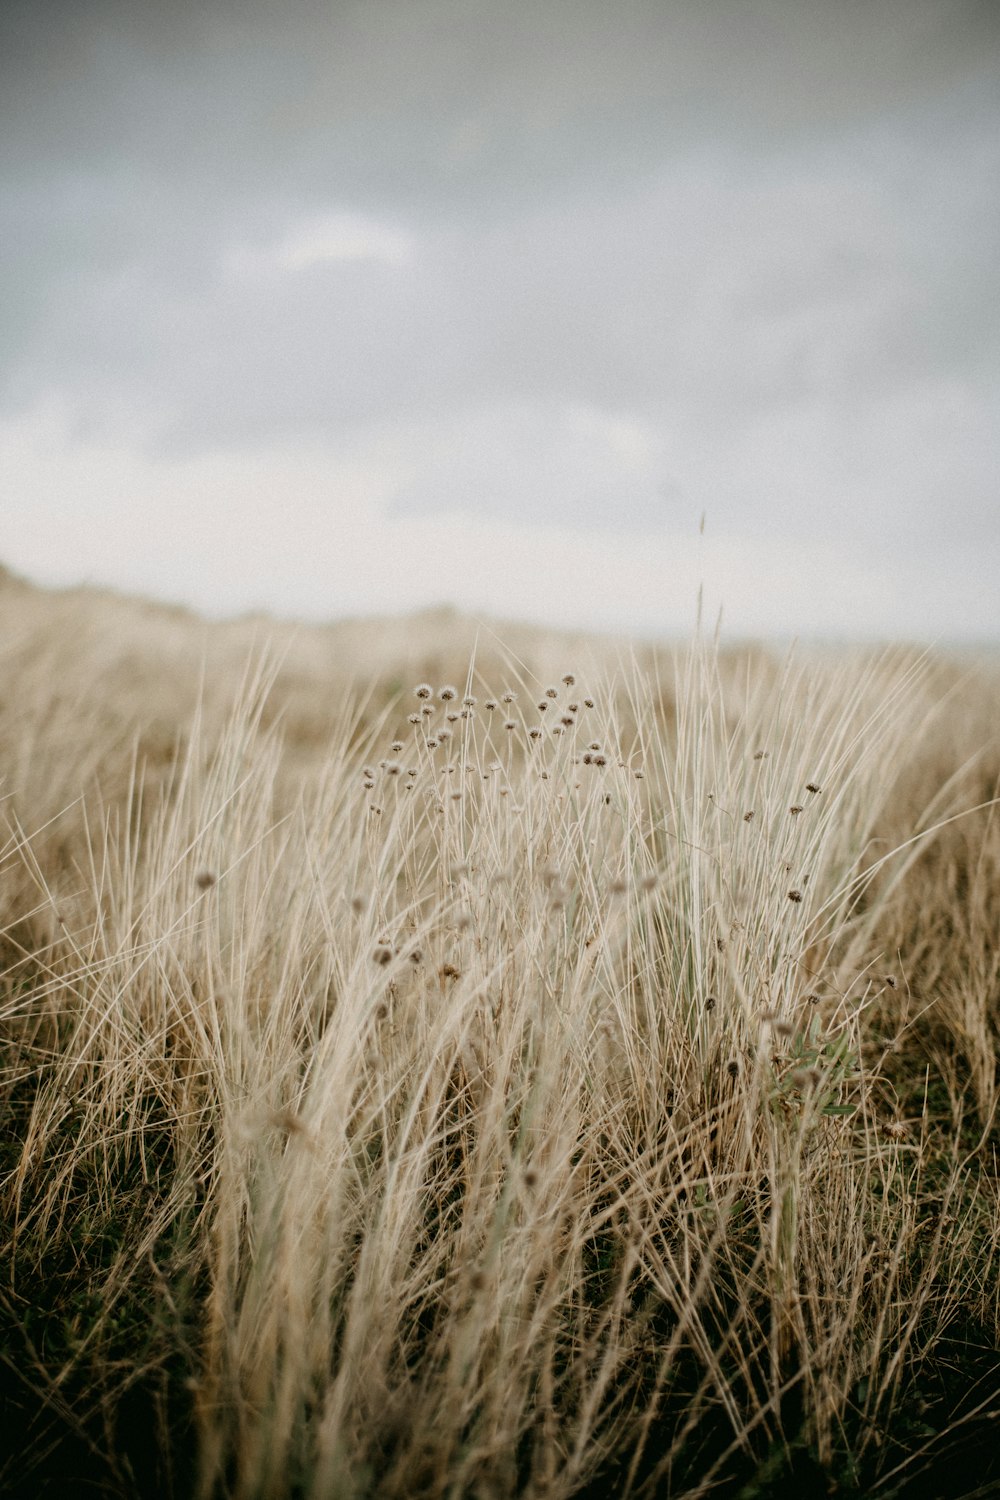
536,1122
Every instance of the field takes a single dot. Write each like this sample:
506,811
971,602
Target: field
455,1062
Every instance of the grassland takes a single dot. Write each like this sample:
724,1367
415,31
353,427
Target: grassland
590,1094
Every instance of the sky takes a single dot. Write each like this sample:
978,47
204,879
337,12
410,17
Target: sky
552,309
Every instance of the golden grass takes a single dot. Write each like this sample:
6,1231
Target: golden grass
606,1111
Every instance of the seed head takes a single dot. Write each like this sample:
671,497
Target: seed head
567,721
396,746
574,708
795,810
535,732
795,896
748,816
569,679
588,702
382,954
761,754
205,879
427,709
452,717
413,718
393,768
812,787
469,702
509,724
447,693
551,692
490,704
507,697
543,705
424,690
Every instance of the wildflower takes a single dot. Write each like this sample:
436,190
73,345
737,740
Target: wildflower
444,733
452,717
599,760
396,746
588,702
393,768
509,724
795,896
427,709
424,690
413,718
761,754
447,693
640,775
468,702
432,743
573,708
567,721
542,705
490,704
551,692
795,810
710,1002
382,954
812,787
569,679
368,785
748,816
594,745
507,697
535,732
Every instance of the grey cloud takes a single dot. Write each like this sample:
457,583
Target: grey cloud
768,234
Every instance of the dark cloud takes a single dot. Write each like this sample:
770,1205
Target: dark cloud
766,236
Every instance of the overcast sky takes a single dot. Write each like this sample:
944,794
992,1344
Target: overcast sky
354,307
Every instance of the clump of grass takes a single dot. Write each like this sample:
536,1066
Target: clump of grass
477,1109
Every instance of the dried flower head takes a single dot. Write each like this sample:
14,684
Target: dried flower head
447,693
507,697
490,704
382,953
567,721
427,709
468,702
795,896
569,679
452,717
640,775
424,690
509,724
761,754
588,702
795,810
414,718
535,732
396,746
812,787
393,768
205,879
542,705
748,816
368,784
551,692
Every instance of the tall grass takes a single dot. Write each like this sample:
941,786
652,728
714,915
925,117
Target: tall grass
503,1113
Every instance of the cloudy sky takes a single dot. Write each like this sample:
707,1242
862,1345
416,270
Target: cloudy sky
360,306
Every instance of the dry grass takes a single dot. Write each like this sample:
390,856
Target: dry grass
607,1111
